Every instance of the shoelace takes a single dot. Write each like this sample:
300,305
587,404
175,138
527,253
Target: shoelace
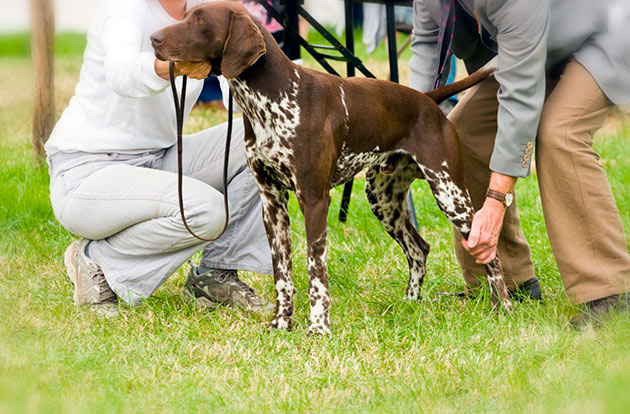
106,294
234,279
231,277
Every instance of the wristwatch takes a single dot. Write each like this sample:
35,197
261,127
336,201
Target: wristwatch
504,198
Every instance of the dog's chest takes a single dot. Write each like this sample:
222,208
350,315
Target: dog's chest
274,122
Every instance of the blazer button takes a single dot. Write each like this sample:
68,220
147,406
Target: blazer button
528,150
526,157
524,164
530,144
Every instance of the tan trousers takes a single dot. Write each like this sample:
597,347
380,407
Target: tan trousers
583,224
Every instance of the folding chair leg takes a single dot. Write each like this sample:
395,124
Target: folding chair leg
412,210
345,201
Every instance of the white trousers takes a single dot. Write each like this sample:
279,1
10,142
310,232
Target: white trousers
127,205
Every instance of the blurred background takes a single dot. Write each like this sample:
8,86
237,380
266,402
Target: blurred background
70,15
74,15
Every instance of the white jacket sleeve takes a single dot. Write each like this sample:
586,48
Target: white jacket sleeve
225,91
129,71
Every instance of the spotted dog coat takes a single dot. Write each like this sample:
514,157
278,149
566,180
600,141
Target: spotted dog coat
307,131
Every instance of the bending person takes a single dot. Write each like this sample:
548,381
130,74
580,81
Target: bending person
562,66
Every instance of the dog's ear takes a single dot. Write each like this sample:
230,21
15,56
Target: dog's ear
243,47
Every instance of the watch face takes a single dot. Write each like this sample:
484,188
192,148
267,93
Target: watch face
509,198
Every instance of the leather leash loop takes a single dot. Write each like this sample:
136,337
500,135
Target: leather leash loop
179,112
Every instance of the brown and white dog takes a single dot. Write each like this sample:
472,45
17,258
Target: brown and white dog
308,131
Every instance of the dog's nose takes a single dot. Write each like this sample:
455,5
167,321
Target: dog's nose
157,38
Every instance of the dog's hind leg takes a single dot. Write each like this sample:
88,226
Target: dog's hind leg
454,200
387,195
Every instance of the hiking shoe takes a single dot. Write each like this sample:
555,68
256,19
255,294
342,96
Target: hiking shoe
217,286
598,310
90,287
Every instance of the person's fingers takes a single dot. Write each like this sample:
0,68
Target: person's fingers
205,69
185,67
483,250
199,74
193,72
487,257
196,70
483,244
480,252
182,66
481,259
476,250
473,237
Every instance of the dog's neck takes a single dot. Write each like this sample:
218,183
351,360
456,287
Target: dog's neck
273,64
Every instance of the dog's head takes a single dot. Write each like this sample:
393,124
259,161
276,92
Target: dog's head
222,33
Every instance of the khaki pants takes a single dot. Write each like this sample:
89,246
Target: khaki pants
583,224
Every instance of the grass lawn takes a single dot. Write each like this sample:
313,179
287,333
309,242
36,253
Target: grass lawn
385,355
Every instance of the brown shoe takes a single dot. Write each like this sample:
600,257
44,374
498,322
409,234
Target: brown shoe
598,310
90,287
217,286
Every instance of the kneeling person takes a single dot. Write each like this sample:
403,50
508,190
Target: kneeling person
112,166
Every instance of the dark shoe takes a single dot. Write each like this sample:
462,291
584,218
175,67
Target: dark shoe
222,287
90,287
598,310
526,290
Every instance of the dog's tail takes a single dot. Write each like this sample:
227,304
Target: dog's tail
440,94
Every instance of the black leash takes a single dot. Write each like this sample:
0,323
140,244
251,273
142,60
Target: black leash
179,111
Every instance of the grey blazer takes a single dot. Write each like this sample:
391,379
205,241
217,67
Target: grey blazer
528,36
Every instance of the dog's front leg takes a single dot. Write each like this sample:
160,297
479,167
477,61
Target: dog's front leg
276,219
316,218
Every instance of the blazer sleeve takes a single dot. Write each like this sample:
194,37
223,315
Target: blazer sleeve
424,40
522,28
129,71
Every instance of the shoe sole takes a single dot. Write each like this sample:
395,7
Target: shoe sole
71,269
200,302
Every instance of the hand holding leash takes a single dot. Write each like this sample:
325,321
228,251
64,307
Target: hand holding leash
179,111
194,70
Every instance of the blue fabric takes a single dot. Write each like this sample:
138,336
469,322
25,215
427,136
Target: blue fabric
451,79
211,90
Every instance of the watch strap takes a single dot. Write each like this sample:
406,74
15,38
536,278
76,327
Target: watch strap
496,195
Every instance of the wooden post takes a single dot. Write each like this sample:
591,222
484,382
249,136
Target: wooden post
42,42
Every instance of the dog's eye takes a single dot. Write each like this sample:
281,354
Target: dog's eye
200,20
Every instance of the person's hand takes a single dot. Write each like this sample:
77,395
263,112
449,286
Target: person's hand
487,222
484,234
195,70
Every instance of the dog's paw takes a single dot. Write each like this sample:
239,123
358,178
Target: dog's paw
318,330
281,322
504,305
